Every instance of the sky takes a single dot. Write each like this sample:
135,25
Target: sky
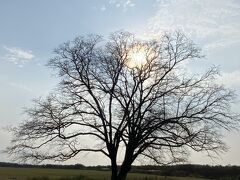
31,30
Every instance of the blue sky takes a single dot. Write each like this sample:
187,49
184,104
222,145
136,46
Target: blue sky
30,30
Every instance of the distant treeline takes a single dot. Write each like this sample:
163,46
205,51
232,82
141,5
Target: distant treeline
205,171
55,166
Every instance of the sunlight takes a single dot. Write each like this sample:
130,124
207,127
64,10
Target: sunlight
137,56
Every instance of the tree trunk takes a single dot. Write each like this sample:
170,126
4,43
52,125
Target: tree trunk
125,168
122,176
114,170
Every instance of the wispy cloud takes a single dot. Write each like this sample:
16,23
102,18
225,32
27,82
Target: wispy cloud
230,79
124,4
20,86
103,8
17,55
214,23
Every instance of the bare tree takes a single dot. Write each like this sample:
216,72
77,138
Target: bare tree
126,94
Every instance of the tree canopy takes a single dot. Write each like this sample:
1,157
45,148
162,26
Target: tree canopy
129,95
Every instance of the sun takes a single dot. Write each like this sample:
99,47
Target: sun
137,56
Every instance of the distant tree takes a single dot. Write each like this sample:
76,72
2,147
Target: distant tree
128,95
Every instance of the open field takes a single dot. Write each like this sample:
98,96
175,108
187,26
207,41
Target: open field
7,173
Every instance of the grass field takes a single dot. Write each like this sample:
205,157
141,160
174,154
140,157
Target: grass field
72,174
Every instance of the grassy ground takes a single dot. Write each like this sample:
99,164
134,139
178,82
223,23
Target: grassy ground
72,174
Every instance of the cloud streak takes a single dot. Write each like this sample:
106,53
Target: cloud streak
20,86
214,23
230,79
124,4
17,55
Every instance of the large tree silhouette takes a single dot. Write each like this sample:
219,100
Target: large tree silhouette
127,95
